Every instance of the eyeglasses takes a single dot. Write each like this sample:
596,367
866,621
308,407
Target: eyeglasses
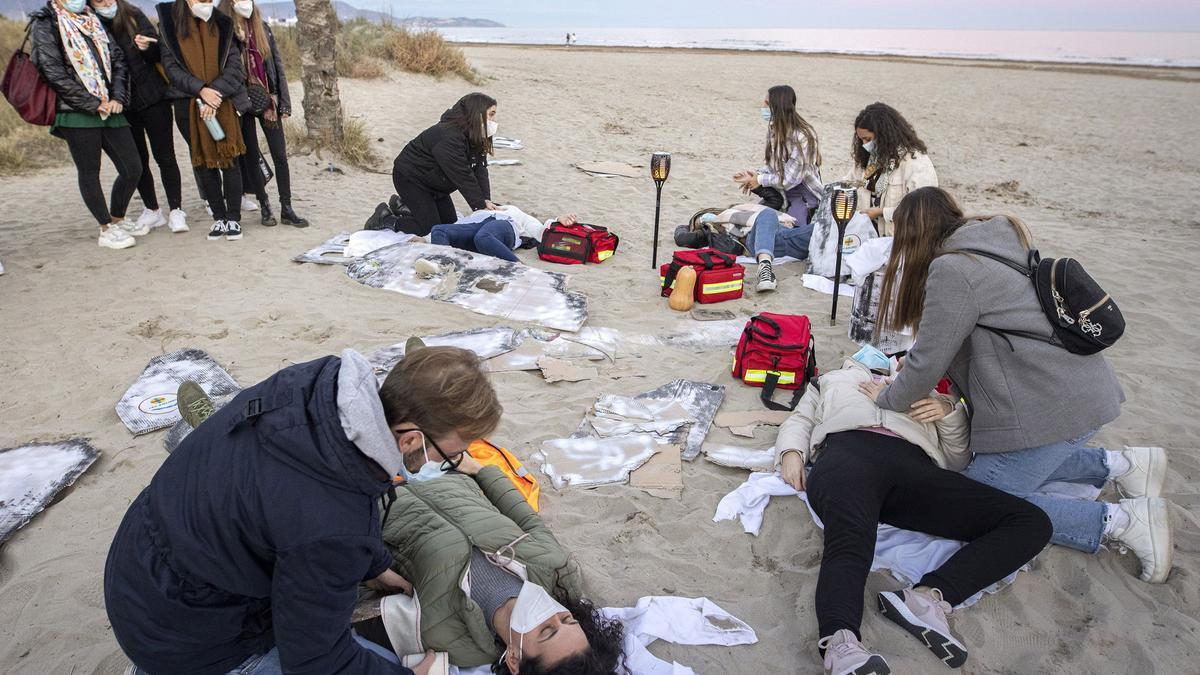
447,463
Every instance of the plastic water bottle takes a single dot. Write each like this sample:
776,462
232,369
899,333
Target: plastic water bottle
214,127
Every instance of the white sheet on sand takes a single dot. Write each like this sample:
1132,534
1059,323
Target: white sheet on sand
907,555
681,621
365,241
824,285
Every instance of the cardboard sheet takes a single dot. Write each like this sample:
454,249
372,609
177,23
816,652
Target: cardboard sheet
661,475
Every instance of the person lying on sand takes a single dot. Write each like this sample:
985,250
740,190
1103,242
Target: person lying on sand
496,232
246,551
494,585
872,466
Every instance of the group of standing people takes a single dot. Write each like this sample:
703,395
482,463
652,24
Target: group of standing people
120,81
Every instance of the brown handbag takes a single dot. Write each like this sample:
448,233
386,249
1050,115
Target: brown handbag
27,90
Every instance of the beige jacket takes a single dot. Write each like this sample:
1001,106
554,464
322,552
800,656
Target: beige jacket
912,173
840,406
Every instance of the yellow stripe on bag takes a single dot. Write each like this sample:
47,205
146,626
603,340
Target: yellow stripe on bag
761,376
604,255
662,280
722,287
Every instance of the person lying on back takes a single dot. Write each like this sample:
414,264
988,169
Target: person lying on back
496,232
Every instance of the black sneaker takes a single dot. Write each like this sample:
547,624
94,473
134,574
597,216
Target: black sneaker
766,277
233,231
217,231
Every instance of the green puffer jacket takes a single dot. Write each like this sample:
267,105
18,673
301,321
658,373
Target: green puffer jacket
430,531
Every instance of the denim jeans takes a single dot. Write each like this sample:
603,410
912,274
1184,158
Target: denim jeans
768,236
269,664
494,237
1078,523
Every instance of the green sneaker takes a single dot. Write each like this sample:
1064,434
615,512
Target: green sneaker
194,405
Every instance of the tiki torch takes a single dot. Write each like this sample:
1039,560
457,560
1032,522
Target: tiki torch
660,168
842,202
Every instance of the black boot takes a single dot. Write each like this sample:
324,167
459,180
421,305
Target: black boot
289,217
268,218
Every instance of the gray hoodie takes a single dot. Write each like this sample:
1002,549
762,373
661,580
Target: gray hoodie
361,413
1021,395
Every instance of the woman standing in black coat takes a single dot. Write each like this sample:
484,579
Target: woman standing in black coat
148,112
83,66
450,156
205,81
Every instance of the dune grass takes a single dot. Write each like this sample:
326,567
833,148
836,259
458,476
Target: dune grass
355,147
23,147
368,50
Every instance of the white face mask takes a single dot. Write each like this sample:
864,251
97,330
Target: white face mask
203,10
429,470
107,12
244,8
533,606
490,128
869,146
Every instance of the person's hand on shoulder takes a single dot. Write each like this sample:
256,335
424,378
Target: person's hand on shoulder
792,469
390,583
490,205
568,219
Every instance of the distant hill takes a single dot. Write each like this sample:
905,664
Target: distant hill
286,11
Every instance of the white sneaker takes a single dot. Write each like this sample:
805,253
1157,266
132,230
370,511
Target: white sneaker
116,238
1,268
249,204
845,655
1147,471
130,227
217,231
152,218
177,222
766,277
924,615
233,230
1148,535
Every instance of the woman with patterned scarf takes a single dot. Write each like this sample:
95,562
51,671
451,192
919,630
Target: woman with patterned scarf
204,68
78,59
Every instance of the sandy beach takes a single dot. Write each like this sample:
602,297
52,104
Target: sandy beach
1101,165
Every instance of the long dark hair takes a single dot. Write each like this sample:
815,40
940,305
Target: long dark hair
124,24
606,639
181,13
924,219
894,136
785,124
243,27
470,115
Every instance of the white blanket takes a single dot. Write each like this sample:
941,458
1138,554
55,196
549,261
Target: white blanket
683,621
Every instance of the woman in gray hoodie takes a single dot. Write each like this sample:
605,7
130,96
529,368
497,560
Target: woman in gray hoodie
1034,406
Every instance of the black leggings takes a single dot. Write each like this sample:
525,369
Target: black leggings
862,478
221,188
155,122
278,147
428,208
85,146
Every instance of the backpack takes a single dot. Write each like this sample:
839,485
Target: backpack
777,351
1083,317
577,244
718,275
700,234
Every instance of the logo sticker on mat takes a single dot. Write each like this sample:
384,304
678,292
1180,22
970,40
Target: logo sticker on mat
158,404
850,244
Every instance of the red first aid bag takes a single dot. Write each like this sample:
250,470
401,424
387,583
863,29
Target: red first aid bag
718,275
776,351
577,244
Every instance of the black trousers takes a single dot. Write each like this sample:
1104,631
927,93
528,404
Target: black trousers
428,208
861,479
85,146
277,145
221,188
154,123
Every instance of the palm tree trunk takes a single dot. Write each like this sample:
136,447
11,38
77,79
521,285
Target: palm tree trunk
318,27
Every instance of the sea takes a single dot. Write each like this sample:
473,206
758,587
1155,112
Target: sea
1177,50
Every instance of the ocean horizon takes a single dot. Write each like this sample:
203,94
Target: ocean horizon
1161,49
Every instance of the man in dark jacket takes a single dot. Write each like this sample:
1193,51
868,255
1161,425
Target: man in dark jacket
251,540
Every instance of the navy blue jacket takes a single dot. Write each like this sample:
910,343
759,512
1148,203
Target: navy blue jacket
255,532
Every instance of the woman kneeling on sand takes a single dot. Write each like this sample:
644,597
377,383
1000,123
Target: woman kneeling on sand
1034,405
871,466
495,586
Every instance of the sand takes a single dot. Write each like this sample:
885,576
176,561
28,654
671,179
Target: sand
1101,165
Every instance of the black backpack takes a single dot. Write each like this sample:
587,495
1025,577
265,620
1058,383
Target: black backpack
1084,318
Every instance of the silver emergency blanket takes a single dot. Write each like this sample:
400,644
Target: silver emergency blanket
332,252
485,342
149,404
31,475
480,283
740,458
588,462
699,399
622,415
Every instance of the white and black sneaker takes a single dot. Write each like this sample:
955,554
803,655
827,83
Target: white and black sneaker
924,616
766,277
233,230
217,231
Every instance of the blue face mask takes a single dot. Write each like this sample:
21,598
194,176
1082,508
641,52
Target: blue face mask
107,12
873,358
869,146
766,114
428,471
75,6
